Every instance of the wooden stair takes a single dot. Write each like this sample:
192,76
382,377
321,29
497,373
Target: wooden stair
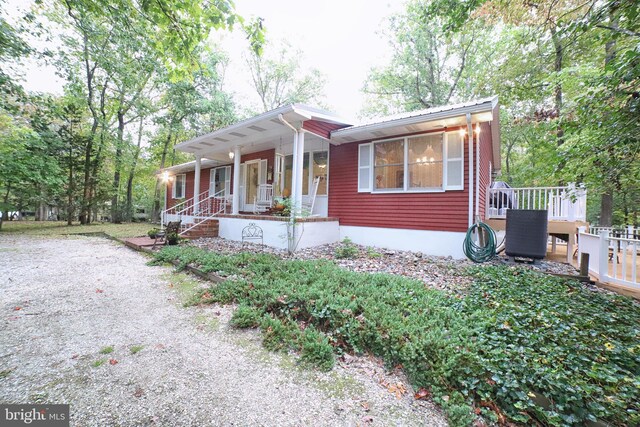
208,228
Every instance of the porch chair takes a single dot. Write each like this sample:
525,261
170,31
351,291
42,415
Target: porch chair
309,203
172,227
263,199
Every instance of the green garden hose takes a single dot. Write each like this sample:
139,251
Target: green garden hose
486,235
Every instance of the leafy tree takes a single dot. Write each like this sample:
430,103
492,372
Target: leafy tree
279,79
429,67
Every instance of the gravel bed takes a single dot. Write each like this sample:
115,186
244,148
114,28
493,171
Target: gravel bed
444,273
66,302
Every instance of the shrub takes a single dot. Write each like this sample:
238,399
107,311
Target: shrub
316,349
519,346
153,233
347,249
245,317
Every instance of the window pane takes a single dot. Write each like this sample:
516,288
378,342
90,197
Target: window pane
454,173
179,185
220,174
288,171
389,165
320,165
454,147
365,151
363,179
425,161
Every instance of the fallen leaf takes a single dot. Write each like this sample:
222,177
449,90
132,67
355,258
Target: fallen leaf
16,308
160,346
113,362
75,356
398,389
367,419
365,406
99,291
139,392
422,394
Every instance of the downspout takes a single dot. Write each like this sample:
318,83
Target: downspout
470,133
477,170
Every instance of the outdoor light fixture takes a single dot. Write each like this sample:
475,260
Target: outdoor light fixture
231,154
165,176
478,129
463,132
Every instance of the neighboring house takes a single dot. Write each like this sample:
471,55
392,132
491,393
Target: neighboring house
413,181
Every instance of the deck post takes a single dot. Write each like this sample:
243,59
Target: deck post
235,203
196,185
603,259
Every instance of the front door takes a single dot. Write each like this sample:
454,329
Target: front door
255,173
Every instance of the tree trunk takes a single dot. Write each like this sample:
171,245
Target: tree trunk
116,214
155,212
132,171
606,210
70,190
606,204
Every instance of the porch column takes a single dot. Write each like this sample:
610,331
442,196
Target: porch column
299,171
235,204
196,186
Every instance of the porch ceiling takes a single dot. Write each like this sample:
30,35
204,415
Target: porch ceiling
257,133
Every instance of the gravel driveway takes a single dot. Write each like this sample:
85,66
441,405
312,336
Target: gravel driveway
64,300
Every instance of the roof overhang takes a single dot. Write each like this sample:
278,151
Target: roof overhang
256,133
419,121
189,166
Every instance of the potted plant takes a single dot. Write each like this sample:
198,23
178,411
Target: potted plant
172,238
153,233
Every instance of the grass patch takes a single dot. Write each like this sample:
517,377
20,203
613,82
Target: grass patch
98,363
184,284
106,350
59,228
5,373
135,349
520,346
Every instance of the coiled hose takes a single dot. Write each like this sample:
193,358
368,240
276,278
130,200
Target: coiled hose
475,252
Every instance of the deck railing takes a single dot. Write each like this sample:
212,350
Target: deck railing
563,203
611,259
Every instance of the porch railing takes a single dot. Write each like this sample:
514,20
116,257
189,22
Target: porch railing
611,259
193,214
563,203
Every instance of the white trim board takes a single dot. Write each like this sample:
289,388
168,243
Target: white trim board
429,242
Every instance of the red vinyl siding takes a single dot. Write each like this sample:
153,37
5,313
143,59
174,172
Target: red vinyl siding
206,173
486,153
443,211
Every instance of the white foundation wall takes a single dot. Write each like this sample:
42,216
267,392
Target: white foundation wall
439,243
318,233
308,234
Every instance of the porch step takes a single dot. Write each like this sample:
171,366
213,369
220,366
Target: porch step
209,228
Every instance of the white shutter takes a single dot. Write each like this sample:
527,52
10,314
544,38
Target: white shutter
454,171
365,162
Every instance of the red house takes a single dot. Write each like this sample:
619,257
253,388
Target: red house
413,181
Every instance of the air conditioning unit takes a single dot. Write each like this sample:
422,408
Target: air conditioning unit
526,234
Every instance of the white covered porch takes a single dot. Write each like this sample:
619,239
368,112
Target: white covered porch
257,166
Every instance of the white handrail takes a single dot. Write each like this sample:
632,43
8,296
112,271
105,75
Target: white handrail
567,203
209,211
